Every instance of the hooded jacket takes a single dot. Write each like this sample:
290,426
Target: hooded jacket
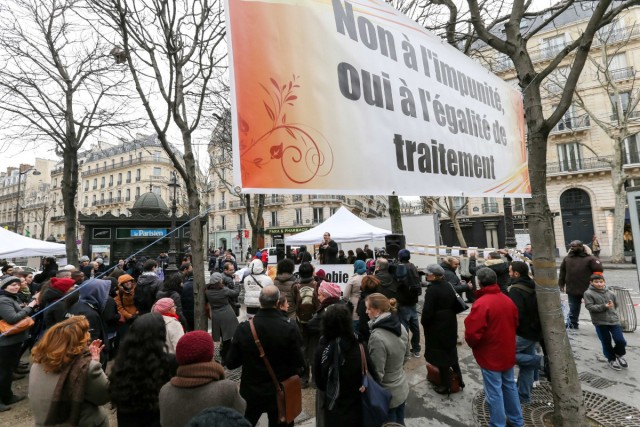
595,300
93,300
124,301
56,313
253,284
285,282
389,350
12,313
490,329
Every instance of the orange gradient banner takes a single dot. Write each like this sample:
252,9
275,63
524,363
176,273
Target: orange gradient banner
355,98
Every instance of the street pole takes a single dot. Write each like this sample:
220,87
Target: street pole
509,231
172,268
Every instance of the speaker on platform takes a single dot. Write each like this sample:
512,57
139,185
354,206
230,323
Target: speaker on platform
393,243
280,251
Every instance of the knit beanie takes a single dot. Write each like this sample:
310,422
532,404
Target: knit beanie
219,417
163,305
8,280
194,347
331,290
62,284
216,278
359,267
125,278
404,255
321,274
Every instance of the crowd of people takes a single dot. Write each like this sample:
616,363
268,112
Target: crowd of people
139,318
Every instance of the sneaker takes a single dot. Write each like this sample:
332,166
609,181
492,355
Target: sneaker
416,354
613,364
4,408
536,384
622,362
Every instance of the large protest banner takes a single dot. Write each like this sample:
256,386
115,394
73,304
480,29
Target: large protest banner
347,97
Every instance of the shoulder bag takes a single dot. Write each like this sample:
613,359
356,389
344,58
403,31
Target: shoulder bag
288,392
375,399
459,305
433,376
7,329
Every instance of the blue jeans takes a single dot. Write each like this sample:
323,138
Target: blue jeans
409,318
501,396
528,362
575,302
396,415
608,332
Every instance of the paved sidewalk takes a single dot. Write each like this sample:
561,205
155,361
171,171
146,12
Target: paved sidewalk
427,408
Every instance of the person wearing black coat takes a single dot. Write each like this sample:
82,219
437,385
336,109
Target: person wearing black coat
58,311
339,349
440,325
328,250
282,345
49,270
188,299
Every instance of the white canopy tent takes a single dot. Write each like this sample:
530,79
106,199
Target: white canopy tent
343,226
13,245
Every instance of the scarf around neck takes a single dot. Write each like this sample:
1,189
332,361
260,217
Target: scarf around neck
68,394
197,374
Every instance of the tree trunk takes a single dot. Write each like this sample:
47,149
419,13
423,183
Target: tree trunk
567,392
618,178
395,215
456,226
69,191
255,221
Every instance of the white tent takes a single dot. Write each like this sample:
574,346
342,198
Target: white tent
343,226
13,245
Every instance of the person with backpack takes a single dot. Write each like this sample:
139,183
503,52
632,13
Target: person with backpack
148,285
409,289
253,284
303,255
305,294
523,294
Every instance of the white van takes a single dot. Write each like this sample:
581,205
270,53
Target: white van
273,257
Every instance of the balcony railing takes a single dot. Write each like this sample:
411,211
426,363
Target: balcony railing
616,35
274,223
626,115
572,124
236,204
273,200
489,208
222,205
622,73
137,161
57,218
296,198
546,52
326,198
297,223
590,163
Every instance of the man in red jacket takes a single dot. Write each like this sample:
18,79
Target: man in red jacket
490,331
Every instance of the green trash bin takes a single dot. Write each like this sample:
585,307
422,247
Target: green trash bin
626,310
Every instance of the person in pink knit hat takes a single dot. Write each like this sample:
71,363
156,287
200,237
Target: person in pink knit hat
167,308
198,384
328,295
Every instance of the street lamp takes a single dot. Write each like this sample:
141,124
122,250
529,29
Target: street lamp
240,231
35,172
172,268
509,231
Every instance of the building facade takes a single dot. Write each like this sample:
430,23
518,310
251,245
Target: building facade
24,197
579,183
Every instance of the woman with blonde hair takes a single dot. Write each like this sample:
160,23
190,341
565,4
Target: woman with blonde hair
389,350
67,385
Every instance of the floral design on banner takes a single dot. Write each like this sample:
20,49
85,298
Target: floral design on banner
292,145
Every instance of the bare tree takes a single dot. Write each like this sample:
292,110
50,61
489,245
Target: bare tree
171,49
395,214
506,28
57,84
618,127
221,153
448,207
